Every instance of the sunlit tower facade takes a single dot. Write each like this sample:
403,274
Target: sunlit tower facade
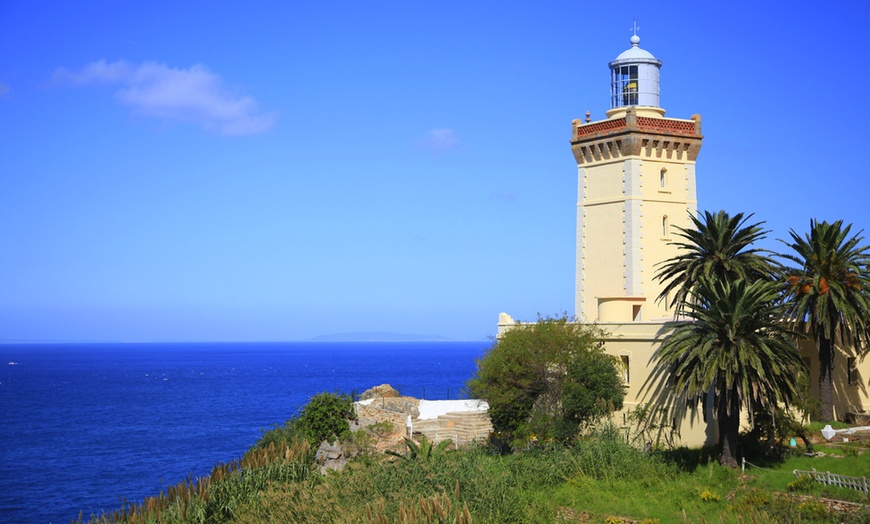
636,182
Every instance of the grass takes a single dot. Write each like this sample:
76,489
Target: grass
599,480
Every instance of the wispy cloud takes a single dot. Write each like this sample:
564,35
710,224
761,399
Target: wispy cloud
189,95
439,140
504,196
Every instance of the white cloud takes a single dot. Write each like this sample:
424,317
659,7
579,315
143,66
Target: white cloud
190,95
439,140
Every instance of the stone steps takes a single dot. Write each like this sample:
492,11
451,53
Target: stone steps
461,427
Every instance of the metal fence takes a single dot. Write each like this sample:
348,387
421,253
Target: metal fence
423,392
833,479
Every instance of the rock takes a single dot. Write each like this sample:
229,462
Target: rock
330,457
382,391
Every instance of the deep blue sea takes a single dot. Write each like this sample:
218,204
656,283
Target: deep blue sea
84,426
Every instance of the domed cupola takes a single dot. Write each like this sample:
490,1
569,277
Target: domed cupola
634,78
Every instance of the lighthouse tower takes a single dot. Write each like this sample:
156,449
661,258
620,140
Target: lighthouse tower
636,182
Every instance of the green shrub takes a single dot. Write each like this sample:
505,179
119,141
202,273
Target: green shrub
802,483
546,380
709,496
755,498
326,417
812,509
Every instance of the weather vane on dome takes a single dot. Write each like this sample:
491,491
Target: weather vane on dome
635,39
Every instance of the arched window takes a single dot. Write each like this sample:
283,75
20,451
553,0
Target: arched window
665,225
663,178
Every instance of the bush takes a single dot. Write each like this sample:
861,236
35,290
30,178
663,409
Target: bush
709,496
326,417
546,380
802,483
592,389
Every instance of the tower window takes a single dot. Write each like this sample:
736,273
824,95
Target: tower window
626,369
665,226
635,313
625,86
663,178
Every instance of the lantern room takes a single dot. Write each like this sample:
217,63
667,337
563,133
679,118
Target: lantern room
635,78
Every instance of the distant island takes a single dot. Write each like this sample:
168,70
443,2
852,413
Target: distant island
378,336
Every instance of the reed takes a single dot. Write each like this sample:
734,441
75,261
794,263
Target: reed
217,497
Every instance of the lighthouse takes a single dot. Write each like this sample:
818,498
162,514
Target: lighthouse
636,183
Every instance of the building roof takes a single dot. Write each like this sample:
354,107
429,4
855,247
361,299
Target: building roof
636,54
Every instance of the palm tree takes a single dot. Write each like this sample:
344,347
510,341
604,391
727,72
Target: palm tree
736,348
828,295
719,247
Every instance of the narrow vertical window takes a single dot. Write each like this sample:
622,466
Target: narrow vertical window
626,369
852,370
665,226
663,178
635,313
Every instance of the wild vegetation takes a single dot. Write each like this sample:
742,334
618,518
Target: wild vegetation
598,479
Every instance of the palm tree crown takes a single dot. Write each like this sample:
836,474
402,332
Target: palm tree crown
719,247
828,294
735,347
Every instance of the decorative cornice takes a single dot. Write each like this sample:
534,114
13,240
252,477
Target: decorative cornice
634,135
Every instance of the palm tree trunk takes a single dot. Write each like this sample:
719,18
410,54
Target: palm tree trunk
826,377
729,425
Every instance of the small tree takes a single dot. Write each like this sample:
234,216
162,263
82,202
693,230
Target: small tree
547,379
326,417
593,388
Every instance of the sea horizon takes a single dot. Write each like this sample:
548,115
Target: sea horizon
332,337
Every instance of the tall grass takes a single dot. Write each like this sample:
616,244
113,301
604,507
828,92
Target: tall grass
494,488
599,478
219,496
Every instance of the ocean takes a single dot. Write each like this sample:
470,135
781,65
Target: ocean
87,426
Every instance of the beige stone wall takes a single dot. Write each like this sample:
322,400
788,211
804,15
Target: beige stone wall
638,341
851,393
631,195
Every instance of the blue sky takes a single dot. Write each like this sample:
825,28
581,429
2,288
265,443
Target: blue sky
281,170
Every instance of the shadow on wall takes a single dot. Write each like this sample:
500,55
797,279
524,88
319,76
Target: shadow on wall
671,420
